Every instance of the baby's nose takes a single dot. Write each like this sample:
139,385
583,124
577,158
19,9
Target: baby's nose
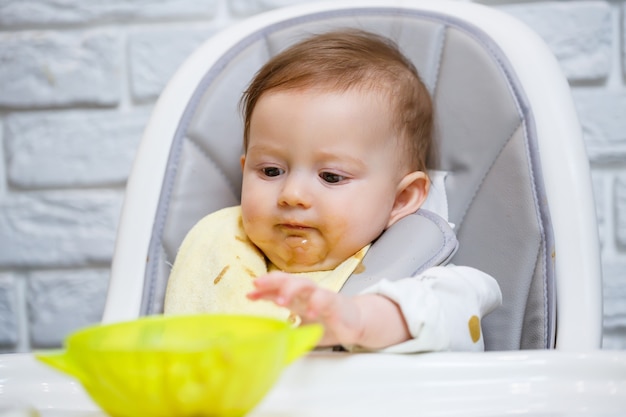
295,192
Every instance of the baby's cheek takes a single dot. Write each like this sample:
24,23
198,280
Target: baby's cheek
249,220
340,242
349,235
251,210
251,197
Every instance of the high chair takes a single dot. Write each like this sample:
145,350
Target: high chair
516,179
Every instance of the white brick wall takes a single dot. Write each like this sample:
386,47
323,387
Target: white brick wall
78,79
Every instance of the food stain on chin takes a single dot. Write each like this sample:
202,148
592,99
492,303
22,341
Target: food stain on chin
300,250
297,242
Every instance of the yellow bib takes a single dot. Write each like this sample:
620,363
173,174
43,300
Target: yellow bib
217,263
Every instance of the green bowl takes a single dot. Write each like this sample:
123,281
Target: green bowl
199,365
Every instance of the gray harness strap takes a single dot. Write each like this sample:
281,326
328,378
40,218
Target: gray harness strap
412,245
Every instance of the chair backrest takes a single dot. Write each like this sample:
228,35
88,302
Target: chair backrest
517,184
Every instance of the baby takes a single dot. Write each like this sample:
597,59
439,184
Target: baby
337,134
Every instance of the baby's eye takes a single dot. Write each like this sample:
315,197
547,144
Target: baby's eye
331,178
272,171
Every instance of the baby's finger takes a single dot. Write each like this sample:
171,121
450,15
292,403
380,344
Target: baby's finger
269,287
295,293
271,280
322,302
261,295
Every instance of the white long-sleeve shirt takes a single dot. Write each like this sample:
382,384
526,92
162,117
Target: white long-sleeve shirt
443,308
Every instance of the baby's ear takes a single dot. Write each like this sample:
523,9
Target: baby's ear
411,193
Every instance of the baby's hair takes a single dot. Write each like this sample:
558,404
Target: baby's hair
346,59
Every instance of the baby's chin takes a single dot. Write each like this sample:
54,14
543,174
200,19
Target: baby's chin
300,260
294,268
299,264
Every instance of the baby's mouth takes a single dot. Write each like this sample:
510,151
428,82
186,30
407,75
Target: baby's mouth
294,227
296,235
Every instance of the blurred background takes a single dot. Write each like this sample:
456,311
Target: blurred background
78,79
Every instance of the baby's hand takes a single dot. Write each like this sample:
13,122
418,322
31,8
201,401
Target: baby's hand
340,315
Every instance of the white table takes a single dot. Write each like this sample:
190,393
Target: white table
530,383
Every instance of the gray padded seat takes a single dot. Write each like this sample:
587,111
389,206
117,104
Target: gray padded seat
485,141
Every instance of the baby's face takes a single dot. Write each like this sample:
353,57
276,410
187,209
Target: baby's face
320,176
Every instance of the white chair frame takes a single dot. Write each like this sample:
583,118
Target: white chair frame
578,271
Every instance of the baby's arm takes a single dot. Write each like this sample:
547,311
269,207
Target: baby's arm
443,307
440,309
371,321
